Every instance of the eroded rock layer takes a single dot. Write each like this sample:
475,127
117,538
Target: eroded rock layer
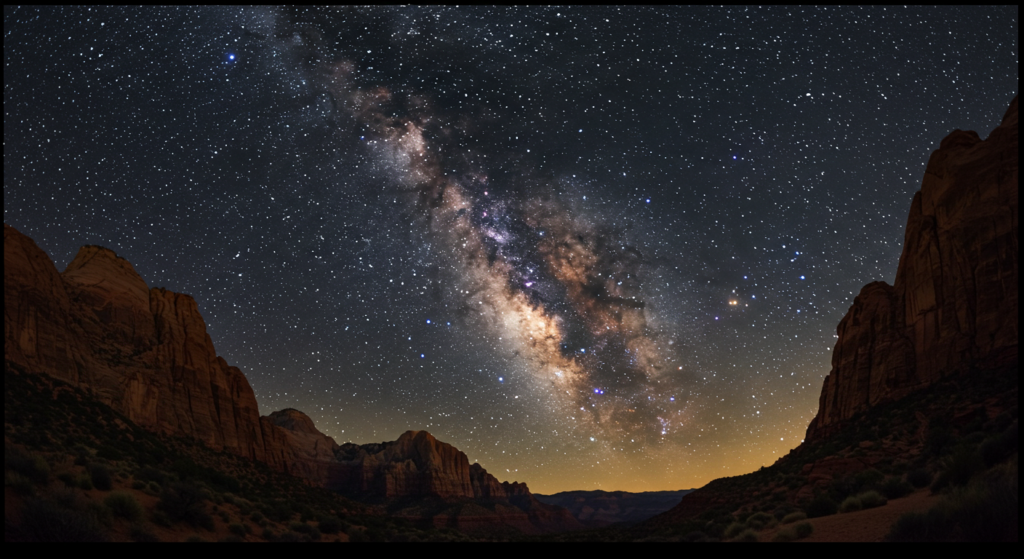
146,353
953,306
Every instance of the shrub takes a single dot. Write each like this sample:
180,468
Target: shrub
140,534
785,535
43,521
85,483
204,521
747,535
305,513
123,504
292,537
19,483
195,538
256,516
962,465
160,518
69,478
358,535
868,479
32,466
759,520
306,529
278,511
151,474
268,534
696,537
734,530
184,502
803,530
330,525
101,477
300,527
794,517
99,512
999,447
66,497
919,477
984,511
871,499
139,485
894,488
850,504
237,529
821,506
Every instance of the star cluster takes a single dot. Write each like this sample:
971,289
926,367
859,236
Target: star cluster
590,247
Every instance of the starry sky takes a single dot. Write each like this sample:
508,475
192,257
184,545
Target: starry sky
593,248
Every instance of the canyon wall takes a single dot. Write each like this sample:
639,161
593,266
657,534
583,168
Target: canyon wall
953,307
146,353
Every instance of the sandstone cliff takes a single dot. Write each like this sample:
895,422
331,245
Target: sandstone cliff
953,306
145,353
406,471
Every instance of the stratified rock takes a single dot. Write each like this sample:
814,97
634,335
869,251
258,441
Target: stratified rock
146,353
39,334
419,466
294,443
953,306
415,465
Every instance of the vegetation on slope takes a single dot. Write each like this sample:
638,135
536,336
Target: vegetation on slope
76,470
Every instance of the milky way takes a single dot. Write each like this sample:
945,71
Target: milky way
592,248
564,292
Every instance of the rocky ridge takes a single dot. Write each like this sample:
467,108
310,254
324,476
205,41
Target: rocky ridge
953,306
145,352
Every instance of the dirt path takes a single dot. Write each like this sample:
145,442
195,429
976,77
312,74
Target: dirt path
863,526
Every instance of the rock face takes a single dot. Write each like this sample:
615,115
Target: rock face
145,353
417,466
953,306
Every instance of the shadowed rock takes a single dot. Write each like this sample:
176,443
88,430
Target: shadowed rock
146,353
953,306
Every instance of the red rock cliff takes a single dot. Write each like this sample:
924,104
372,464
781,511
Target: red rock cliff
953,306
145,352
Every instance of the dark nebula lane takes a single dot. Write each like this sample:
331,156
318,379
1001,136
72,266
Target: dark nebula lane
591,247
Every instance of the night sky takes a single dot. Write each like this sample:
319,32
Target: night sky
591,248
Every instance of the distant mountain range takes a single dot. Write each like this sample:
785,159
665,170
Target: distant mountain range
597,509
